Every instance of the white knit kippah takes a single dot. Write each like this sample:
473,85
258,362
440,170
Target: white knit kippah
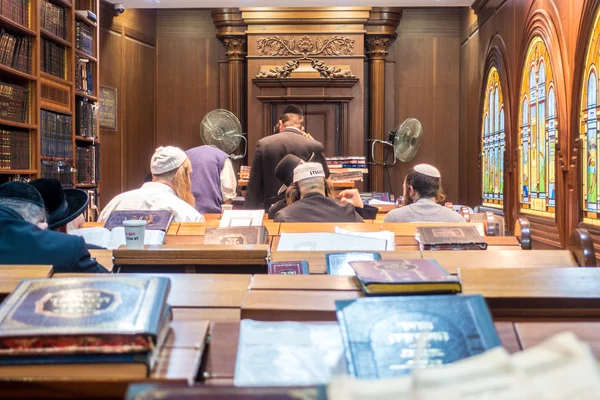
166,159
308,170
428,170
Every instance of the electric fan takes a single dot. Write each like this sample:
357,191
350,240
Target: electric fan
221,129
405,140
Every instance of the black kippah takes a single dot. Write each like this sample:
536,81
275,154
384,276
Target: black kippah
293,109
21,191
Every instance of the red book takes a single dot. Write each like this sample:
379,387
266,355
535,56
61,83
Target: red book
288,268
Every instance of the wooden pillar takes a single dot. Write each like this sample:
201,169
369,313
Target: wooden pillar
376,52
236,55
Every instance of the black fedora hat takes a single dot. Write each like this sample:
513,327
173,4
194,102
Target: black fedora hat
21,191
62,205
284,171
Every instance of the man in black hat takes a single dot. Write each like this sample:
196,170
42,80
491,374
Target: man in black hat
291,139
24,238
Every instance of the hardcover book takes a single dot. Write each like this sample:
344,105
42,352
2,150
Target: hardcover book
156,219
49,325
404,276
389,336
237,235
451,238
288,267
339,263
149,391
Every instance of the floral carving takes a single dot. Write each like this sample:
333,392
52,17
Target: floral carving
377,47
330,71
283,72
236,47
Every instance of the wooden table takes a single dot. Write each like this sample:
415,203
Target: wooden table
104,257
12,275
536,292
533,333
304,282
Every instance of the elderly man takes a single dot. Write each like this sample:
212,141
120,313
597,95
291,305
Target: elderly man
291,139
24,238
422,192
170,189
311,200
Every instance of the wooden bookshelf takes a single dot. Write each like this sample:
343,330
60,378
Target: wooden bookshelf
13,27
18,171
87,96
54,38
16,73
85,139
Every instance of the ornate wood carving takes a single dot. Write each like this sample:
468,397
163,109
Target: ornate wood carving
236,47
305,47
377,46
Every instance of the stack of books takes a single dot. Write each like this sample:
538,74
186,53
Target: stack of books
85,118
14,102
346,162
84,328
53,19
84,79
16,10
15,51
53,59
86,164
15,150
84,38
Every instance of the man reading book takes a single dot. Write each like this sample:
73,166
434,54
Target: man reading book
422,193
24,238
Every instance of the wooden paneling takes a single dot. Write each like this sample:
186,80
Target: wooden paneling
424,62
189,75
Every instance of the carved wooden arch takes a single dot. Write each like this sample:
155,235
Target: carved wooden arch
496,57
540,23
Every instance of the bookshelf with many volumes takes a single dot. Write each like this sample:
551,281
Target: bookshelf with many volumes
49,91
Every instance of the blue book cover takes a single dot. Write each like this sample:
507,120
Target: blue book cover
156,219
153,391
127,305
339,263
389,336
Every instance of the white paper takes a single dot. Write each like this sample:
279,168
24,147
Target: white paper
376,202
328,242
116,238
242,218
385,235
98,236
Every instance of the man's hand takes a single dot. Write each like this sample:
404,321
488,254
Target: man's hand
351,196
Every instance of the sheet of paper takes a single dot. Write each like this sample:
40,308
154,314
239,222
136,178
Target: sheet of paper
151,237
328,242
98,236
385,235
242,218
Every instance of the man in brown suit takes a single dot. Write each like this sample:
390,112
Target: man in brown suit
291,139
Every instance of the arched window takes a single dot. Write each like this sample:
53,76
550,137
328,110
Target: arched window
538,133
492,143
589,130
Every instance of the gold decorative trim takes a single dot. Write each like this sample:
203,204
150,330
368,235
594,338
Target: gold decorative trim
306,47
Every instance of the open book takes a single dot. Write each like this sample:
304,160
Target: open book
320,241
385,235
114,239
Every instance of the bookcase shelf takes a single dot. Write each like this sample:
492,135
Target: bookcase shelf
61,3
86,185
87,96
85,55
14,27
14,124
16,73
18,171
57,110
86,140
54,38
56,78
85,20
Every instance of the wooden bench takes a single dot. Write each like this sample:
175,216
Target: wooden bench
12,275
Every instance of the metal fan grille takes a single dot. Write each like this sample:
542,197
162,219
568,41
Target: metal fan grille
221,128
408,139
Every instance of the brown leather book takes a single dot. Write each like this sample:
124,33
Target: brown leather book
451,238
237,235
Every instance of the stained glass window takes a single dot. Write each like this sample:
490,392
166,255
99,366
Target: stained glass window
537,133
492,145
589,130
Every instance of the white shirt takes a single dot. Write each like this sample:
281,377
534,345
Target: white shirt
153,196
228,181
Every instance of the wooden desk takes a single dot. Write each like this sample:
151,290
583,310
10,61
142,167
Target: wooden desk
293,305
104,257
304,282
310,227
12,275
508,336
533,333
536,292
221,351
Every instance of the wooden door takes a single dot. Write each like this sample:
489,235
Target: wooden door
321,120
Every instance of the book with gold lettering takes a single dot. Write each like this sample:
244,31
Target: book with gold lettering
237,235
417,276
84,326
465,237
153,391
390,336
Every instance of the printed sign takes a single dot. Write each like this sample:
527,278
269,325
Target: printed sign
108,108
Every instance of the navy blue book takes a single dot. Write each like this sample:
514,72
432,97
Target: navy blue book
84,326
153,391
339,263
389,336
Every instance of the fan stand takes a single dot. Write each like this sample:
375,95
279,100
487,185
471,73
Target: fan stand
384,142
240,156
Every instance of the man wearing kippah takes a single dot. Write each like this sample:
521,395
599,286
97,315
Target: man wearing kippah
291,139
311,200
422,193
170,189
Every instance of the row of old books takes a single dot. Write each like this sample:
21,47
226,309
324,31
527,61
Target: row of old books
15,51
347,162
14,102
87,165
61,170
53,19
53,59
86,113
84,79
84,327
84,38
15,150
56,134
16,10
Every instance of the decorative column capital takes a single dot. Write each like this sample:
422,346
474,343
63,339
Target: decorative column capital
236,47
376,46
